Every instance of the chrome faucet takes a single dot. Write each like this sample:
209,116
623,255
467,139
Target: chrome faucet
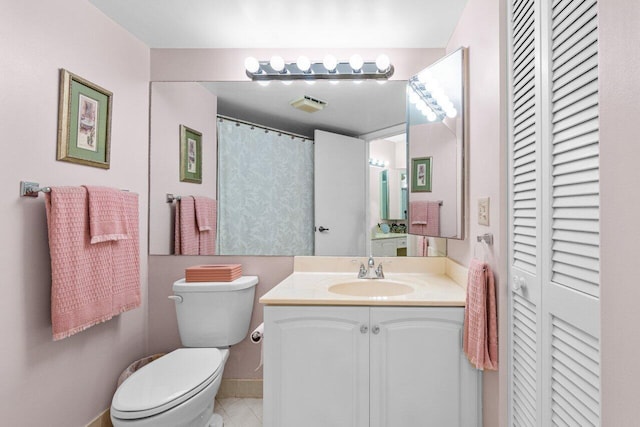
370,272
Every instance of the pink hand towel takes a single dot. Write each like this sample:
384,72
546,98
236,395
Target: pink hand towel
433,219
187,239
81,273
418,217
480,341
206,219
107,214
126,261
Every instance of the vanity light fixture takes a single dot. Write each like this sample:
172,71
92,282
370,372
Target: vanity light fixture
379,163
356,68
430,99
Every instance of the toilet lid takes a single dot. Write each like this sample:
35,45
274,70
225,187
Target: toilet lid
167,382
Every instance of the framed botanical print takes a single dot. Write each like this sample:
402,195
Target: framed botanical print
421,174
84,121
190,155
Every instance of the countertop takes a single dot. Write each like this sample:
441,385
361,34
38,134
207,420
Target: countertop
435,282
379,236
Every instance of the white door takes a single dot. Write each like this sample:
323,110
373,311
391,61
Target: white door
419,374
554,213
340,195
316,366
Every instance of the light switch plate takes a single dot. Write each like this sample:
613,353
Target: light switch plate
483,211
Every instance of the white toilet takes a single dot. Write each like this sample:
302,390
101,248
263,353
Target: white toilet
178,389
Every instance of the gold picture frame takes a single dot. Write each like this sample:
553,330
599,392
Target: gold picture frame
84,122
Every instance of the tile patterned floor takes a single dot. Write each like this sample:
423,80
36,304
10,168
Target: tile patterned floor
240,412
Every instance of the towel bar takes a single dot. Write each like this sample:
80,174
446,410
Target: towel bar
171,198
31,189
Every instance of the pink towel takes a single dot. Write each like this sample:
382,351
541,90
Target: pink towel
433,219
206,219
418,217
424,218
107,214
480,341
126,261
83,275
187,239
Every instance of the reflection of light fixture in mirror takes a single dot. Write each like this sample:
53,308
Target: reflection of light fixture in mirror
378,163
356,68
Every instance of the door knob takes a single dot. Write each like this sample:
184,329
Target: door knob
375,329
364,329
321,229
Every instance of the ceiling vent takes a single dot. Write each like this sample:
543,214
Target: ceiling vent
308,104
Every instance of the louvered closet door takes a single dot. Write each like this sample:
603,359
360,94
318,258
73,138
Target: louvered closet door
571,275
524,219
554,214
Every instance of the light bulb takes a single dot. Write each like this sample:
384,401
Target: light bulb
357,82
263,82
303,64
330,63
451,113
310,82
413,97
356,62
431,116
383,63
421,105
287,82
277,63
425,76
252,65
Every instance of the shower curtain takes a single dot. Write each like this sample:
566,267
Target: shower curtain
265,192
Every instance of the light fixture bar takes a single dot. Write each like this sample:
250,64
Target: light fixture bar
426,96
318,71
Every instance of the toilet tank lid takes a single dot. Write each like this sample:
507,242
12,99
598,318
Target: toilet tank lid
240,283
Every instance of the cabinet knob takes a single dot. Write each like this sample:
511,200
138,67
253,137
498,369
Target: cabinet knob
364,329
519,283
375,329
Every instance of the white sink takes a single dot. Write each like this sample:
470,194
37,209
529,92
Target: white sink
371,288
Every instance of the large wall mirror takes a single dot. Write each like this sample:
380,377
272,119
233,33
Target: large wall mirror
327,178
436,147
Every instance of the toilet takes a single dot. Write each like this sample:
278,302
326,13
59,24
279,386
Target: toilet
178,389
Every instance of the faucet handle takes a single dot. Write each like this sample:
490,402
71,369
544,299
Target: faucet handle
362,272
379,272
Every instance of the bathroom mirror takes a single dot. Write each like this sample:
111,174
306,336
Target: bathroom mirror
436,113
355,110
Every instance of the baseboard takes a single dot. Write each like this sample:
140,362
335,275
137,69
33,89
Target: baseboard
240,388
102,420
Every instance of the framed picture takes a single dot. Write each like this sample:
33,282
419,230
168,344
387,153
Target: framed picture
421,174
190,155
84,121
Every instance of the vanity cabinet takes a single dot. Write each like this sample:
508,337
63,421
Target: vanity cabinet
368,366
389,246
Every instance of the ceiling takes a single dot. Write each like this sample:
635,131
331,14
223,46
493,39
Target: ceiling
353,109
287,23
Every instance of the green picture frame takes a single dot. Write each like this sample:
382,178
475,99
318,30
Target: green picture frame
190,155
421,174
84,122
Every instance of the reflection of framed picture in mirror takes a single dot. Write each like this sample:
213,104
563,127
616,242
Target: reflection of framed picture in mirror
421,174
190,155
84,121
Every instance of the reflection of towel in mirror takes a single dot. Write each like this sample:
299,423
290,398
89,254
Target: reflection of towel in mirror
422,246
480,339
424,218
206,218
187,239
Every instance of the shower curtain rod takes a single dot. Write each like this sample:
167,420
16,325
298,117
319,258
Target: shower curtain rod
267,128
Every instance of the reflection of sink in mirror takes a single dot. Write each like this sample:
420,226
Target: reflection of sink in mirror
371,287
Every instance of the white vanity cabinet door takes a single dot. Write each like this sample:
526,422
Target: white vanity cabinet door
316,366
419,375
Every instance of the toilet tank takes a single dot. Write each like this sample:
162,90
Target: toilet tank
214,314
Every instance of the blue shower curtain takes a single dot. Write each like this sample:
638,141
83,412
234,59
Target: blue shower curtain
265,192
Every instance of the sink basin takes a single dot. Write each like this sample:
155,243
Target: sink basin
371,288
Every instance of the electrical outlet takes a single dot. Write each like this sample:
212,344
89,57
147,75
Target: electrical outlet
483,211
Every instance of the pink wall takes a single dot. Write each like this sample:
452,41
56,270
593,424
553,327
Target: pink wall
163,327
68,382
174,104
482,29
619,40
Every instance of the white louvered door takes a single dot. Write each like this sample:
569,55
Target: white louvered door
554,262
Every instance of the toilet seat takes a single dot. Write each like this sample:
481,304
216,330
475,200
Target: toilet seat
167,382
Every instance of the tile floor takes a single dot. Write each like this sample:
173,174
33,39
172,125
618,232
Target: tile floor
240,412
